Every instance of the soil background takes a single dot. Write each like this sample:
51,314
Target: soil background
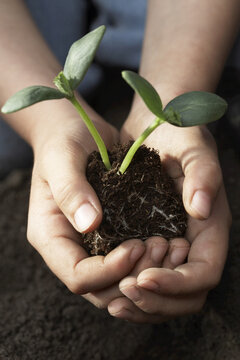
40,319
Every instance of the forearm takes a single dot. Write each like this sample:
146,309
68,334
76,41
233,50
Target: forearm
27,60
186,44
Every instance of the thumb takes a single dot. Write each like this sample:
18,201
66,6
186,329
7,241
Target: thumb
202,181
65,173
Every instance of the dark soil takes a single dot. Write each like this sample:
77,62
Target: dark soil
138,204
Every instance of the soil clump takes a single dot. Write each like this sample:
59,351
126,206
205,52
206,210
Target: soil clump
138,204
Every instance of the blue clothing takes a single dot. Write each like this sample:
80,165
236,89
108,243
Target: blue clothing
62,22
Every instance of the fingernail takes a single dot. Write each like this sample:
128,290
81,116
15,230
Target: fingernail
201,202
137,252
114,309
131,292
118,311
149,285
177,256
85,216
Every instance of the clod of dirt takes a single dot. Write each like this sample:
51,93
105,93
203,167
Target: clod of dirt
136,205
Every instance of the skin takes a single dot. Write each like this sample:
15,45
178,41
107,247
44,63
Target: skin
166,286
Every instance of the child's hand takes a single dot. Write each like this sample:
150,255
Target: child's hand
62,203
157,254
158,294
190,157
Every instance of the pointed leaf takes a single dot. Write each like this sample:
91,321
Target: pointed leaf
29,96
195,108
145,90
81,55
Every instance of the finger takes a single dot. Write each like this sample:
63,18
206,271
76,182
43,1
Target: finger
102,298
83,274
165,306
177,253
123,308
202,271
202,181
174,169
206,257
60,246
70,188
197,275
156,248
99,272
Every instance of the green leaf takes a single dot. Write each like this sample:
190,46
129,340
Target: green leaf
145,90
81,55
29,96
195,108
172,116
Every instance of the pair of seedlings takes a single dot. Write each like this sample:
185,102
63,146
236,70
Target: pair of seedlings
189,109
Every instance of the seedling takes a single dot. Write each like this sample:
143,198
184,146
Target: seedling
189,109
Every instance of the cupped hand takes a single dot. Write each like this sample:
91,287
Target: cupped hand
158,294
62,204
166,291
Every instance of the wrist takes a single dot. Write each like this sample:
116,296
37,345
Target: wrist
63,127
59,120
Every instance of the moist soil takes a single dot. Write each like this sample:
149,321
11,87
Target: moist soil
138,204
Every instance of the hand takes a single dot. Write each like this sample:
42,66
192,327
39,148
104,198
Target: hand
62,203
159,293
158,253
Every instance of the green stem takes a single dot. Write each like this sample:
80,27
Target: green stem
93,131
137,143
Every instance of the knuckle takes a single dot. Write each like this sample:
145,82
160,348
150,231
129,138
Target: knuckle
76,287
